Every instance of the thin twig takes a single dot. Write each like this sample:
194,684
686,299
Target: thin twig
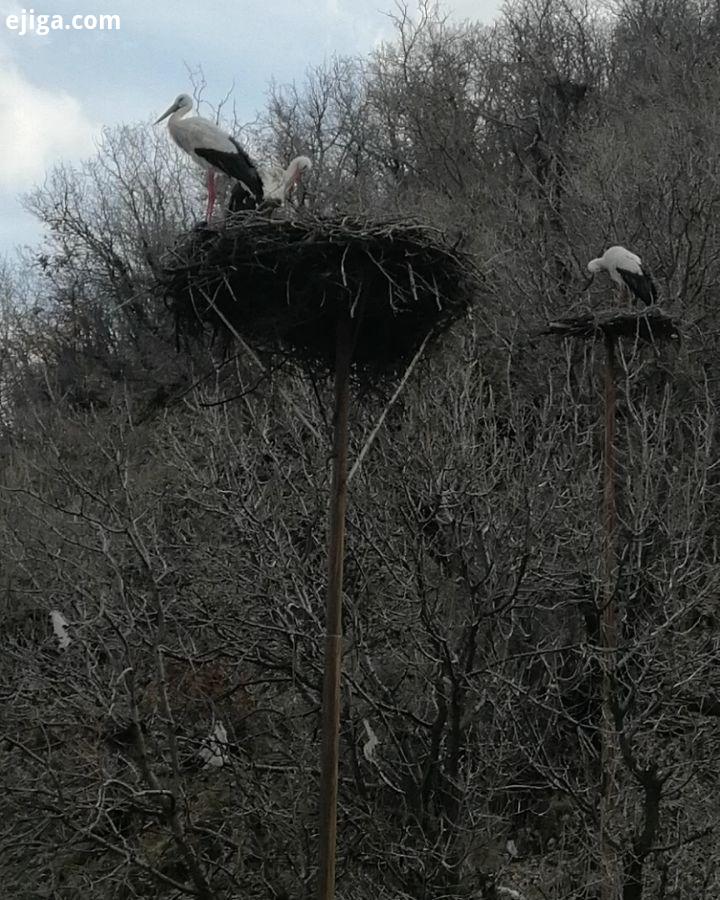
378,425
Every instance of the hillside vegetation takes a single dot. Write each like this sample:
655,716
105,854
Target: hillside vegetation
163,500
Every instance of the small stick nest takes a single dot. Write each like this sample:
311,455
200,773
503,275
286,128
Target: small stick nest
282,283
649,325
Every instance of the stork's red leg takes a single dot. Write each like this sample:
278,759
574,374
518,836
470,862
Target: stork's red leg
211,195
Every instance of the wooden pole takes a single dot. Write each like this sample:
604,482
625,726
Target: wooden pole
608,631
330,740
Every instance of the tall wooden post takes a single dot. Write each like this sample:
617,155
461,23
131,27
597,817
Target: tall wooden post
647,327
608,872
330,741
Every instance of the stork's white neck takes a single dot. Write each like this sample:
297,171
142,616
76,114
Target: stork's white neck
179,113
290,176
175,125
295,171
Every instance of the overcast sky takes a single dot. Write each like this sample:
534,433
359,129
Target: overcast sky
58,90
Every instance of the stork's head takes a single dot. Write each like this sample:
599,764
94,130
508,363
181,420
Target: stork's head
182,102
297,169
595,266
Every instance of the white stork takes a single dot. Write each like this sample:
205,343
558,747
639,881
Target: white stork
214,150
278,183
626,269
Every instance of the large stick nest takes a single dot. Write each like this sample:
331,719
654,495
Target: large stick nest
649,325
283,284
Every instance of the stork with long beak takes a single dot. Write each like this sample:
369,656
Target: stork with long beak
626,270
278,184
213,150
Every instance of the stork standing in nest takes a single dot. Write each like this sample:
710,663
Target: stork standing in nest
278,184
626,269
213,150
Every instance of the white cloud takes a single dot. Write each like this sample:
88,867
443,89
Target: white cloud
40,126
17,226
483,11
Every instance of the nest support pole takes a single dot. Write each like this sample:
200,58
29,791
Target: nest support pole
288,285
653,327
608,630
329,753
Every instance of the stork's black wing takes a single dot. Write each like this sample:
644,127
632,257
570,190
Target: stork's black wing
242,198
239,166
642,286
